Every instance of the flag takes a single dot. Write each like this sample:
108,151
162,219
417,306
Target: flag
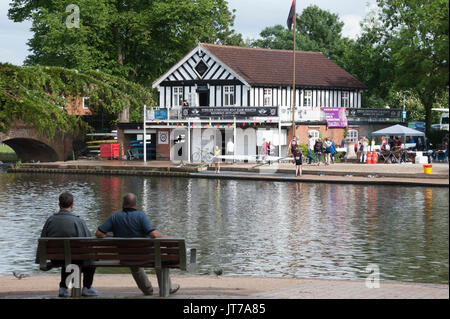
291,17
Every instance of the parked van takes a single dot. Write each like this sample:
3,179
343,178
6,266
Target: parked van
444,121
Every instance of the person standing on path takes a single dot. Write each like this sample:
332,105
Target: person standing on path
217,160
131,223
333,151
298,160
293,145
65,224
364,149
328,145
318,149
311,142
230,148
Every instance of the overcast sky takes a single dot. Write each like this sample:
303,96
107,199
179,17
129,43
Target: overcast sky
252,16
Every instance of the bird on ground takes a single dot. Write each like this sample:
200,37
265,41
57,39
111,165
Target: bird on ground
19,275
218,271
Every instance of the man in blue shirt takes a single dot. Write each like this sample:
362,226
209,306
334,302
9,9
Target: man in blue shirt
131,223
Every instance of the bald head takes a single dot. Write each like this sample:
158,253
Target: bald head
129,201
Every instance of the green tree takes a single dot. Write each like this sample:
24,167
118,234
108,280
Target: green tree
368,59
317,30
38,95
416,34
135,39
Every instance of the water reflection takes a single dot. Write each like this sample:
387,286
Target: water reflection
251,228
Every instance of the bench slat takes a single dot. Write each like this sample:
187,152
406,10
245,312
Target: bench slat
113,257
144,250
108,242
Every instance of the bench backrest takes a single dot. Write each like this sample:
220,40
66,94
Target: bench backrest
115,252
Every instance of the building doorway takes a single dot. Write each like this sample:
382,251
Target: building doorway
203,95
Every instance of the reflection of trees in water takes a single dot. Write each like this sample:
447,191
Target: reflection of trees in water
257,228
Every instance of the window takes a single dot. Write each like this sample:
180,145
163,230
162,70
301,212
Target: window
177,96
191,99
268,97
307,100
228,95
85,103
314,134
352,135
344,99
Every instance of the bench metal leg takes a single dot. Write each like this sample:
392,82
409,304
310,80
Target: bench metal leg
163,282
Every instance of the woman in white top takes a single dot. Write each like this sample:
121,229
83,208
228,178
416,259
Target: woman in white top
365,148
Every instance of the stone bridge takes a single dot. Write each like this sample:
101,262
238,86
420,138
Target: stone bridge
31,146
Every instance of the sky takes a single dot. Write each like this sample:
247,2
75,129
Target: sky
252,16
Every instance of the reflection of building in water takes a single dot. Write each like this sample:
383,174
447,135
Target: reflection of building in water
110,191
428,201
372,207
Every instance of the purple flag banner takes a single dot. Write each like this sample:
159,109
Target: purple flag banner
335,116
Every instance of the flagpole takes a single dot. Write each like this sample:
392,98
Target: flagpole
293,75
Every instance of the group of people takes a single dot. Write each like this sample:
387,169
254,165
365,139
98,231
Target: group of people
316,149
128,222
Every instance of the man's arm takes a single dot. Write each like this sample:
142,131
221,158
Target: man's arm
156,234
99,234
104,228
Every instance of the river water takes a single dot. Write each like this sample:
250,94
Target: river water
250,228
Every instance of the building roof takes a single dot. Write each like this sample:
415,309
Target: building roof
274,67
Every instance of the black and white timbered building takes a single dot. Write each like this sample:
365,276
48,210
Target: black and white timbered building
246,95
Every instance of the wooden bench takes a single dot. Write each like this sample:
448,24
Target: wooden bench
161,254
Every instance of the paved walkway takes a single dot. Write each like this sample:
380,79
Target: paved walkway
224,287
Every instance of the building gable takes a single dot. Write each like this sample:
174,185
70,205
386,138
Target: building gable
198,66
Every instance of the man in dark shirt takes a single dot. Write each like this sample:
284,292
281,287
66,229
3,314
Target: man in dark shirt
131,223
65,224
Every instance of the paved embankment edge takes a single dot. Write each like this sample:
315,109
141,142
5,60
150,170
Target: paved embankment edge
43,286
237,173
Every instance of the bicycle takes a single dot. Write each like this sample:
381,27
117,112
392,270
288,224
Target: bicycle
202,156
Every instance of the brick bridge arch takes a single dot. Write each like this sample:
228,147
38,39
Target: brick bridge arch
31,146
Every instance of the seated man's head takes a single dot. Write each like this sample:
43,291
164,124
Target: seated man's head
129,201
65,200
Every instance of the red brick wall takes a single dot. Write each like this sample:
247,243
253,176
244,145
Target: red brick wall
334,133
75,106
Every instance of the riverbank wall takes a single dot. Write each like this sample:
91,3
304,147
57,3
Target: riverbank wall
342,173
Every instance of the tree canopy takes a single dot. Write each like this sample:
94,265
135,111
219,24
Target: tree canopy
416,34
401,54
37,95
317,30
136,39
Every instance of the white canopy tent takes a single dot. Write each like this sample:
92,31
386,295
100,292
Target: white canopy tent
398,130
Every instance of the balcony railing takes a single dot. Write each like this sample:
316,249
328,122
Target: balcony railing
284,113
